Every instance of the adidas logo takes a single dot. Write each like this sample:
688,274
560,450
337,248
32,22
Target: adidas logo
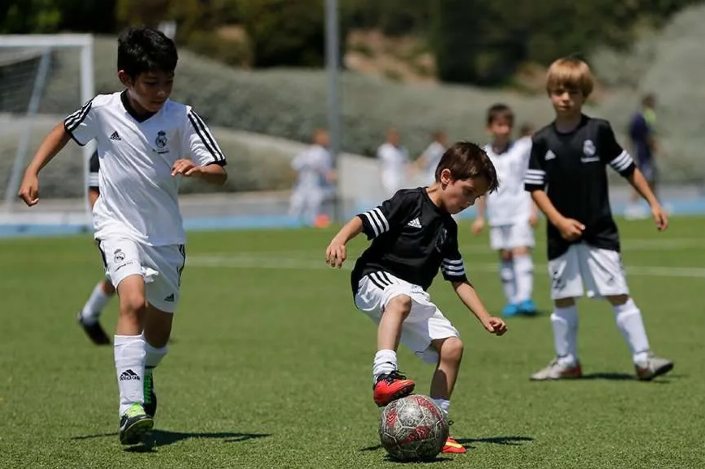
169,298
115,136
129,375
549,155
415,223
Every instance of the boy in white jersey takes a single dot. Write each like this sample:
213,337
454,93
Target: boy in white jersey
314,167
145,142
88,317
510,211
394,160
431,156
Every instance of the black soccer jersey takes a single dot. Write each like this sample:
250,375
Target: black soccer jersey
412,238
571,168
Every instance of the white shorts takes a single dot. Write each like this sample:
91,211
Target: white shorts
160,266
511,236
425,321
599,271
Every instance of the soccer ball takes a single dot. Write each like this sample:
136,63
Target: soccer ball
413,428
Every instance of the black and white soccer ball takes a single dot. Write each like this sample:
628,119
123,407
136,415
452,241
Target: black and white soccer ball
413,428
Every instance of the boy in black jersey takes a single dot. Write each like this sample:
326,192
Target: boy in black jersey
414,235
568,182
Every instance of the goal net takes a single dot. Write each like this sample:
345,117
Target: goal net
44,78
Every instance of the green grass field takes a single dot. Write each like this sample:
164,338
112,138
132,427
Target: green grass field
270,363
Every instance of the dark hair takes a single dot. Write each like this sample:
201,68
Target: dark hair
499,111
466,160
144,49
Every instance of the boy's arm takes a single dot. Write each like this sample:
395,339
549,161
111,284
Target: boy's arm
469,297
50,146
639,183
211,173
569,228
336,252
479,222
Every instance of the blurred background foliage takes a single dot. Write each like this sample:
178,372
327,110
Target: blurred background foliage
472,41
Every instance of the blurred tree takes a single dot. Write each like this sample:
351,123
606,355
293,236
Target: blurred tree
29,16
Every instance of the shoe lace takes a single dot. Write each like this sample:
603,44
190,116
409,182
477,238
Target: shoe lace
392,376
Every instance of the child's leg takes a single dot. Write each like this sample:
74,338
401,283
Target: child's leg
523,273
129,343
631,326
388,334
507,275
99,297
564,321
450,354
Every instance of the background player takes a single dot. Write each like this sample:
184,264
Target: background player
510,211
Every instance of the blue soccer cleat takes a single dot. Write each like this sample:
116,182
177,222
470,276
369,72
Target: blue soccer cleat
510,310
527,307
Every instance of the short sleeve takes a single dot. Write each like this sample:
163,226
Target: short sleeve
200,143
392,213
612,153
81,125
535,176
93,169
452,266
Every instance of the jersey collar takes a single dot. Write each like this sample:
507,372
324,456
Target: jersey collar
131,111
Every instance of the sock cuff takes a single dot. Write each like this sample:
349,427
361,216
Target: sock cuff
126,339
386,354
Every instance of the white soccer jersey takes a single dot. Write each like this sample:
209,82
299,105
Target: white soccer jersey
433,154
510,203
138,195
312,165
393,160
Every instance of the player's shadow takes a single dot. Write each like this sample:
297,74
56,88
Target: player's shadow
496,440
625,377
159,438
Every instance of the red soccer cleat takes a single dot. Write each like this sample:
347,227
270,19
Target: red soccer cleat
453,446
391,386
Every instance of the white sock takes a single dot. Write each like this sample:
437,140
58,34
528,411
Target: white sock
154,355
565,334
95,304
631,326
130,357
385,362
506,274
524,275
444,404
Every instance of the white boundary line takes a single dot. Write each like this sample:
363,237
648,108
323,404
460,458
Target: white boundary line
267,261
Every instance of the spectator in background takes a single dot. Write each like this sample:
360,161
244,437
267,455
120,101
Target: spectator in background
394,160
430,157
315,176
642,134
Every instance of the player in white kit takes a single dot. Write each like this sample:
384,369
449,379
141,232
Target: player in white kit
145,143
394,160
431,156
314,167
510,212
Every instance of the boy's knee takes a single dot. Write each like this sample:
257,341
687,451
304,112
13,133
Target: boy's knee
564,302
505,255
617,300
400,304
452,350
132,303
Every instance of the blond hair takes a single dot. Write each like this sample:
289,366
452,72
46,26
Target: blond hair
571,73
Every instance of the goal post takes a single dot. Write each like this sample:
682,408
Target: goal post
28,65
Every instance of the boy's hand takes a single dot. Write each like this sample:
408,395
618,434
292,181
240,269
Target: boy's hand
495,325
477,226
336,253
660,217
29,189
185,167
570,229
